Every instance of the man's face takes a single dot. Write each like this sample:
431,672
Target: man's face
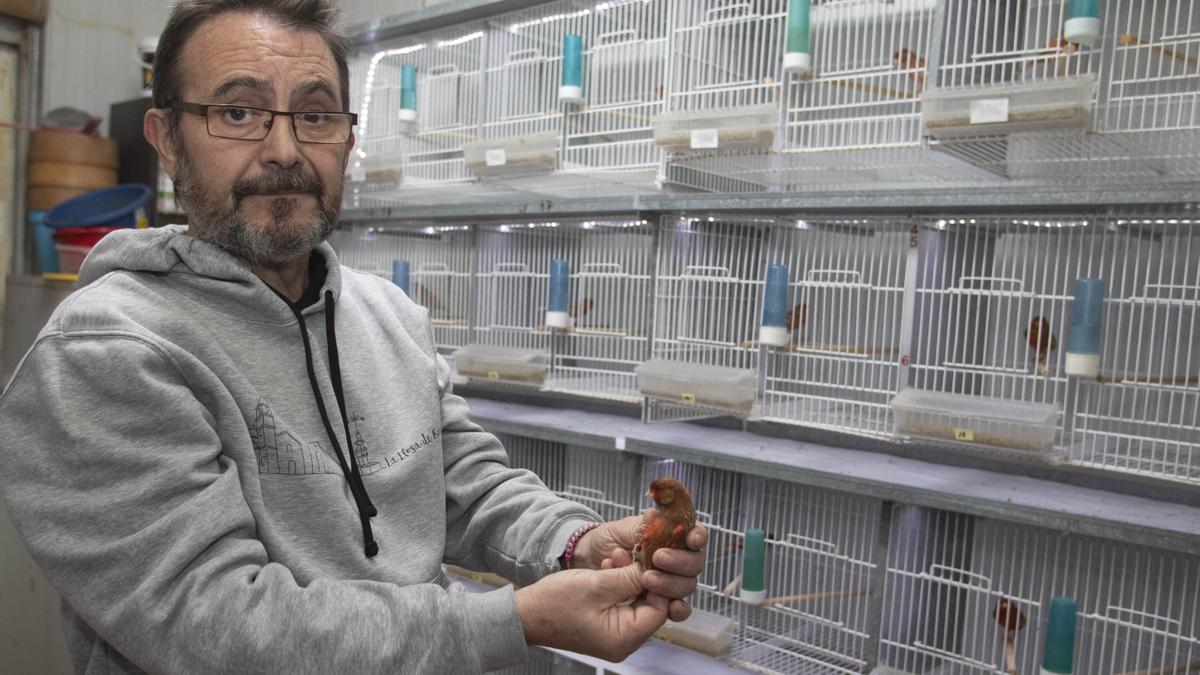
268,202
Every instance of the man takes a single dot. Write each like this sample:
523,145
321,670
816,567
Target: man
230,454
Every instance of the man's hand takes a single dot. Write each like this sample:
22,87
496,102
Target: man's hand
611,545
589,612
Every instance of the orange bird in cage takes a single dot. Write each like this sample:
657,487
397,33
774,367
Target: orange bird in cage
907,59
1012,620
674,517
1057,46
1042,341
797,317
580,310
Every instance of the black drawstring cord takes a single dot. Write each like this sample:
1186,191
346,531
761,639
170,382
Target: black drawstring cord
357,490
335,372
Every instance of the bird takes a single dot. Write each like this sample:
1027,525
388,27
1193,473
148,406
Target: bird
797,317
1058,46
1012,620
1042,341
907,59
675,516
581,309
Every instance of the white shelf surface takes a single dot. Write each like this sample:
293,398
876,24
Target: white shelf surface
1015,498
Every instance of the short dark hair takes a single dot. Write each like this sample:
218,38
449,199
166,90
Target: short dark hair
318,16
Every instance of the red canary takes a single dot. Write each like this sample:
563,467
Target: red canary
1042,341
1011,619
909,60
675,517
797,317
578,311
1009,616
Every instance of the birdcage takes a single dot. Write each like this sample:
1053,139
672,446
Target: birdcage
973,595
609,137
708,300
611,261
840,364
608,483
1152,87
1009,81
430,261
1141,413
993,303
724,93
604,333
821,558
418,101
1026,97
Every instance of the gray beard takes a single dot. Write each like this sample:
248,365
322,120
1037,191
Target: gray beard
226,227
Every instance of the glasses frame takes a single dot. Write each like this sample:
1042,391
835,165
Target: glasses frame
201,110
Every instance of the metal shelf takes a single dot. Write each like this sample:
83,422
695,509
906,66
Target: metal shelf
924,200
437,16
995,494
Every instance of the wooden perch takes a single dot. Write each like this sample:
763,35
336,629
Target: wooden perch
1177,380
1130,39
812,597
861,86
732,586
1181,669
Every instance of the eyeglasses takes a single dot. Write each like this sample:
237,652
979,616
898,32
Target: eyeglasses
243,123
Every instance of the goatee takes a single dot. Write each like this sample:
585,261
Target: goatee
218,219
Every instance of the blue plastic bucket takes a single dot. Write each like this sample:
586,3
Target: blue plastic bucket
120,206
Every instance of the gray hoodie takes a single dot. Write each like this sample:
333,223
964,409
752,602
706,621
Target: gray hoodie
170,457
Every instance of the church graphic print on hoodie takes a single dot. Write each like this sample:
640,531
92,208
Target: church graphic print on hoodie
171,458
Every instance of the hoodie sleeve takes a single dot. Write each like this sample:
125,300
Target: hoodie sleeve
112,470
498,518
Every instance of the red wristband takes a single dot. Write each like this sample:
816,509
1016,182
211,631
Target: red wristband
568,555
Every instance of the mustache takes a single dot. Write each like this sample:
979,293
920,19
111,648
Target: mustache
288,180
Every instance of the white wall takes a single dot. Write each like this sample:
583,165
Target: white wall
91,44
90,49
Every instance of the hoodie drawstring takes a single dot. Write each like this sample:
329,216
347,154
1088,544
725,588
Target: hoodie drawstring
366,510
335,371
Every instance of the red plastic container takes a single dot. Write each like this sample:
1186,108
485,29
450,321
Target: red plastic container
81,236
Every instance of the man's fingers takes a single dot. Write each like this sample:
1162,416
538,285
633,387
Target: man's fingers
669,585
621,558
697,538
679,610
683,563
621,583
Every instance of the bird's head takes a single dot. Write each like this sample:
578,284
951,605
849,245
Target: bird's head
667,491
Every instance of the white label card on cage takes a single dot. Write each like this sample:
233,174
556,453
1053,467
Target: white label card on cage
705,138
496,157
358,174
620,442
989,110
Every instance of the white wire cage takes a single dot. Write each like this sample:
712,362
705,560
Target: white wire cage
610,263
841,365
991,322
856,119
1122,108
820,571
708,304
421,159
973,595
439,261
724,92
609,137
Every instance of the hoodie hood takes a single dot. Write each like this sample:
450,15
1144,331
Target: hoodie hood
169,250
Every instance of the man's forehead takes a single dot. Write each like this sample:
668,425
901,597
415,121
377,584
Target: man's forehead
246,47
